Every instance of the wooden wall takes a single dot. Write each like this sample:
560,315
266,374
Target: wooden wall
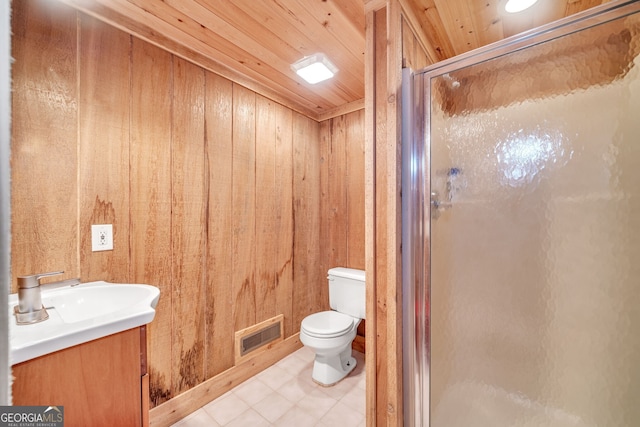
233,205
413,52
342,190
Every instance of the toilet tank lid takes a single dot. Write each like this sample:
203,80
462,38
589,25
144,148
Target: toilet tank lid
349,273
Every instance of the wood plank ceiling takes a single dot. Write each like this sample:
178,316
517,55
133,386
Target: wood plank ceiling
254,42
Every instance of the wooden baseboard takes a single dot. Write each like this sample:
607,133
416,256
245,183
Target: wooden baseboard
191,400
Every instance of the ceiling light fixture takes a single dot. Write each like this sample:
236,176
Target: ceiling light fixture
315,68
515,6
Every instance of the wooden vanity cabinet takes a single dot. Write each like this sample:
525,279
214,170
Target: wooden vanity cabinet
103,382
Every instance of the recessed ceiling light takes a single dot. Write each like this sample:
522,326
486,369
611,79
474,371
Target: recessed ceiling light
515,6
315,68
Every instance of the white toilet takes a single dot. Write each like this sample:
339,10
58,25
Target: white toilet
330,333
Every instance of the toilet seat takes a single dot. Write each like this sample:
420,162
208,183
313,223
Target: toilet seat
327,324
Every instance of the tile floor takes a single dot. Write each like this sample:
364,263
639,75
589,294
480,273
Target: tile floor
285,395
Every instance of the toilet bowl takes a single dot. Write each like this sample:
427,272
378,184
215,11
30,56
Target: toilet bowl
330,333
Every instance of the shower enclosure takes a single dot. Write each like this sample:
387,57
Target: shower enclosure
521,229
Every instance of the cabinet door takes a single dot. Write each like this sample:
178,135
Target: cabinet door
98,383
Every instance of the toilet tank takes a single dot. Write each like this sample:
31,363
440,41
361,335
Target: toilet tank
347,291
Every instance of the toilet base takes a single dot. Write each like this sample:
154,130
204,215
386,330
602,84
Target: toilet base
329,370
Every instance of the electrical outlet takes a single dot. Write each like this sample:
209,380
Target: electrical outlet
101,237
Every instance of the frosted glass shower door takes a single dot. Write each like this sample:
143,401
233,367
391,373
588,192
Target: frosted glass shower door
535,234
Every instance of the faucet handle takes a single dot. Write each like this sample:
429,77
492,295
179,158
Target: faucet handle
33,281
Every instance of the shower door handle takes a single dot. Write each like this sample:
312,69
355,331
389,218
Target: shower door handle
437,205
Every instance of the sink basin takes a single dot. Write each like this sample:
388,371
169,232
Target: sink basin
80,314
81,303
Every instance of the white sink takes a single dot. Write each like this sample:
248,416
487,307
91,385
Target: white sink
79,314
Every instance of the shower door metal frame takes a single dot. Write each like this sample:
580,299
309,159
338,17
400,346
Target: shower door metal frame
416,191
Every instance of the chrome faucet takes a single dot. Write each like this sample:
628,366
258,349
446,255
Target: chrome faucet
30,309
